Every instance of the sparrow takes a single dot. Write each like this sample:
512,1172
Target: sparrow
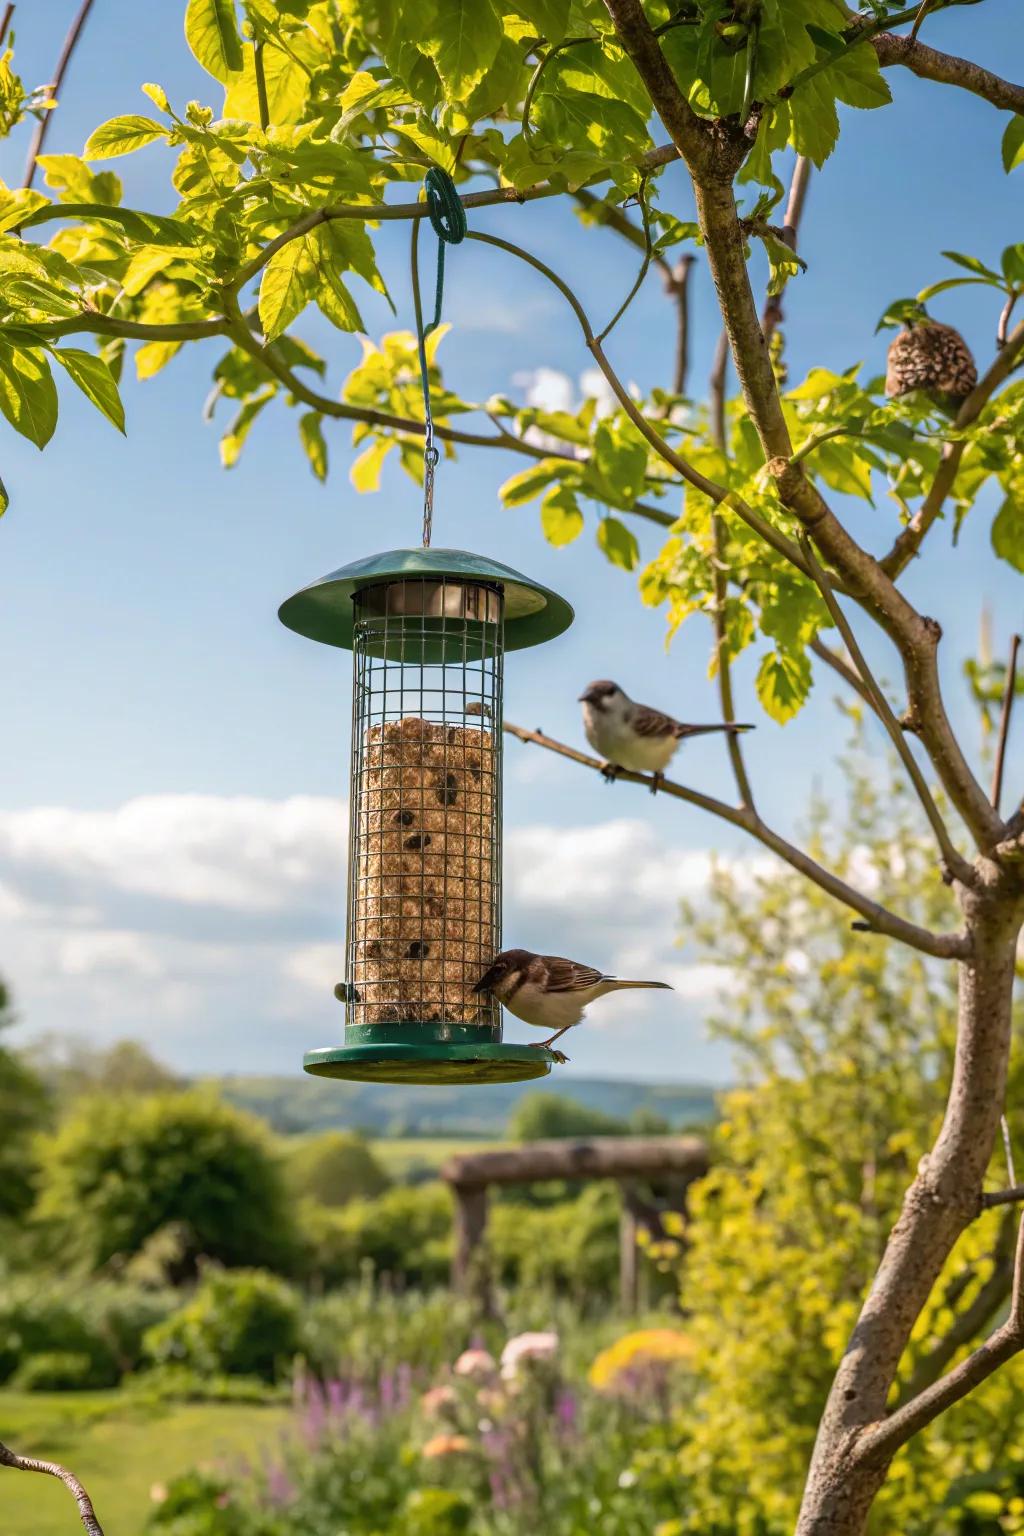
630,735
548,991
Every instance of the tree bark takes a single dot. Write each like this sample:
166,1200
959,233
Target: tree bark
941,1202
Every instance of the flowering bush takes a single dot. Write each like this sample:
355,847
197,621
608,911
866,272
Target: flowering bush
643,1364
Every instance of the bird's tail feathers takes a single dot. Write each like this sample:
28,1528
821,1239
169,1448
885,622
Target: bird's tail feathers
705,730
614,985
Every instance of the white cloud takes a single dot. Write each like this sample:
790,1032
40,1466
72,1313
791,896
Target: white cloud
213,927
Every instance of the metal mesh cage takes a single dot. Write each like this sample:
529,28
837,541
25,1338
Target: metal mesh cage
424,890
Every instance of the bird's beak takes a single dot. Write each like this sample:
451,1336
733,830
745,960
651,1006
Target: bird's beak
585,698
486,981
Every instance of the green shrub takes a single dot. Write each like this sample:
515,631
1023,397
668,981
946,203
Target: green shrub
572,1248
237,1323
120,1169
406,1233
201,1504
64,1372
364,1331
334,1168
105,1322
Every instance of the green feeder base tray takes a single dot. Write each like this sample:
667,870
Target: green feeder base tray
438,1061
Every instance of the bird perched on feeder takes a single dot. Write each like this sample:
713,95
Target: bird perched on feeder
931,358
632,736
548,991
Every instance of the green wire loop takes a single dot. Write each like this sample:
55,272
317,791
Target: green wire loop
448,221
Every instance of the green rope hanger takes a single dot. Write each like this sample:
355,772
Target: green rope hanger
448,221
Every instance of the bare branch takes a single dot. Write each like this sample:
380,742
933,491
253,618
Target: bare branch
723,668
1009,694
907,544
35,149
772,315
944,946
955,863
612,217
677,286
5,19
52,1469
1003,1197
947,69
716,389
968,1324
879,1442
842,668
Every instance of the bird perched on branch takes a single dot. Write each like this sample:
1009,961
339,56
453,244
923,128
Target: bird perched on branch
931,358
632,736
548,991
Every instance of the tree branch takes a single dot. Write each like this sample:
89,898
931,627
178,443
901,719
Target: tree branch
969,1323
842,668
52,1469
677,286
1002,1197
956,865
714,153
35,148
944,946
909,541
1009,694
375,213
879,1442
772,315
947,69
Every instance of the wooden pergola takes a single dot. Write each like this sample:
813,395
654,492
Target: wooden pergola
630,1161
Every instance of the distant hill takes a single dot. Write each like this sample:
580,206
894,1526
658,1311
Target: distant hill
296,1104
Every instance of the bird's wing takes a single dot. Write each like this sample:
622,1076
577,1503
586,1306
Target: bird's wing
651,722
569,975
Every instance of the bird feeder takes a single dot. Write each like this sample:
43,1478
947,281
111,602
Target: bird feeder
428,630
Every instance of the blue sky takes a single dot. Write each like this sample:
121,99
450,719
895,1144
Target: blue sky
171,849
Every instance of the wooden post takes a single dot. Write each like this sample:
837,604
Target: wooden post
469,1268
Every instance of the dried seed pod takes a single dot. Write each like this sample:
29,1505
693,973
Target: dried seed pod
933,359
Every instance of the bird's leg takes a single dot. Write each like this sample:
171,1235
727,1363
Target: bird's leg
545,1045
609,772
657,780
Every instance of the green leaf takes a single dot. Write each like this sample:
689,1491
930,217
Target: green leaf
528,483
5,500
312,435
618,543
28,395
157,95
287,87
94,379
287,285
1008,531
619,464
155,355
466,36
1012,263
147,228
783,262
233,441
1013,144
955,282
560,516
120,136
818,383
365,471
783,683
211,31
550,17
972,264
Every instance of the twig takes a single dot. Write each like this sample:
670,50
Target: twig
1002,1197
843,669
1004,318
261,84
724,670
955,863
645,215
42,126
772,315
944,946
1009,693
5,20
880,1441
53,1469
677,286
716,389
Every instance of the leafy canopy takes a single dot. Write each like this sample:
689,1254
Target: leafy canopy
322,111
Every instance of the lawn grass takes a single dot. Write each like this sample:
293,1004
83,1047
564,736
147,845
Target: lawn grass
118,1446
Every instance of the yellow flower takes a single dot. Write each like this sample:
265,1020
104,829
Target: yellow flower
638,1356
446,1445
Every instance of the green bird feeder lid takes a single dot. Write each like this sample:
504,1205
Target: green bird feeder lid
428,1053
325,611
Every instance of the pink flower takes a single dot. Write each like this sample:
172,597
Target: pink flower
158,1493
477,1364
525,1349
438,1400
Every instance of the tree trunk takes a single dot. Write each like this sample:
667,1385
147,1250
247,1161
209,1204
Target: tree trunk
943,1199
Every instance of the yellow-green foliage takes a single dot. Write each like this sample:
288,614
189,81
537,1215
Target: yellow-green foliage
845,1045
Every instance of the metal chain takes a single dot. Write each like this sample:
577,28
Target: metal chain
448,221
